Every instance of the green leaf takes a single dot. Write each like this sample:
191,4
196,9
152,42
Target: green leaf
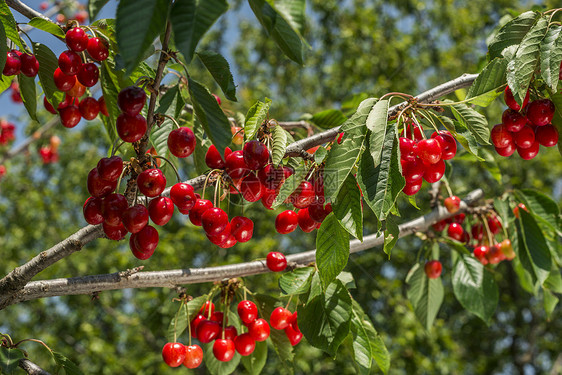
391,232
425,295
475,287
255,362
3,48
332,249
542,207
9,360
296,281
328,119
293,11
382,184
191,19
554,280
376,123
94,7
9,24
138,23
461,134
184,316
557,119
216,367
280,342
325,320
70,368
277,27
210,114
279,138
474,121
347,207
521,68
512,33
5,83
28,94
255,117
350,103
110,88
550,302
50,27
201,147
488,85
290,185
531,248
168,100
367,344
320,155
217,65
48,63
551,56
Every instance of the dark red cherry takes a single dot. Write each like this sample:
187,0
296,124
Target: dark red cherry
480,253
173,354
510,100
207,308
247,311
113,207
412,187
255,155
529,152
146,239
407,132
62,81
276,261
131,128
235,165
271,177
76,39
98,187
317,211
220,238
193,356
513,120
303,196
29,65
251,188
88,74
208,330
294,336
268,198
183,196
407,149
97,49
138,252
151,182
70,62
494,224
439,226
434,172
500,136
259,329
114,232
280,318
455,231
547,135
286,222
195,323
306,223
447,143
89,108
110,169
161,210
224,350
540,112
181,142
433,269
477,231
214,220
429,151
200,206
70,116
13,64
213,158
506,151
92,211
245,344
525,137
131,100
412,170
135,218
103,106
48,106
230,332
242,228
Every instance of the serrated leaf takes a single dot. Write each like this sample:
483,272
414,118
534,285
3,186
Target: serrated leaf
191,19
28,94
210,114
280,342
347,208
168,100
9,360
296,281
320,155
110,90
557,119
425,295
70,368
332,249
551,56
255,362
475,287
512,33
184,316
219,68
532,250
94,7
138,24
255,117
550,302
328,119
376,123
325,320
48,63
159,137
5,83
279,138
50,27
554,280
542,207
201,147
349,104
488,85
3,48
391,232
474,121
461,133
290,185
9,24
216,367
293,11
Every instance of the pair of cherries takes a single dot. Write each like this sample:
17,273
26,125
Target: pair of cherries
20,62
283,319
7,132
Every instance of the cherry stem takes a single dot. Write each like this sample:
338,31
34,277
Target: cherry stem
428,117
91,30
170,164
217,184
225,312
8,339
120,178
504,227
176,323
289,302
488,232
33,340
444,179
188,323
397,94
171,118
416,123
114,149
245,297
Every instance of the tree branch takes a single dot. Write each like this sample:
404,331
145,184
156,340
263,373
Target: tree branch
171,278
32,138
31,368
25,10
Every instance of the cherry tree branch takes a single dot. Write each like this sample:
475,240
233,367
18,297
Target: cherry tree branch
172,278
31,368
25,10
29,140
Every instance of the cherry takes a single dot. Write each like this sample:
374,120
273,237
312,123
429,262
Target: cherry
173,354
447,143
109,169
306,223
286,222
434,172
242,228
412,170
208,330
294,335
407,149
183,196
103,106
48,106
255,155
280,318
131,100
500,136
245,344
439,226
247,311
224,350
413,187
529,152
76,39
97,187
429,151
229,332
193,356
230,241
506,151
480,253
477,231
214,220
507,249
113,207
76,91
13,64
70,62
251,188
238,135
88,74
433,269
235,165
276,261
303,196
268,198
97,49
513,120
135,218
317,211
259,329
130,128
213,158
455,231
510,100
540,112
217,98
92,210
147,239
271,176
181,142
495,255
195,323
407,132
200,206
161,210
525,137
29,65
89,108
294,321
62,81
217,316
68,100
494,224
114,232
221,237
547,135
207,307
452,203
459,218
70,116
151,182
516,209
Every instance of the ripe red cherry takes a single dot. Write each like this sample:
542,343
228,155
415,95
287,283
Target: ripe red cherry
276,261
286,222
306,223
259,329
494,224
235,165
173,354
433,269
245,344
151,182
195,323
161,210
214,220
208,330
413,187
247,311
429,151
294,335
516,209
303,196
13,64
114,232
477,231
200,206
62,81
242,228
407,149
76,39
183,196
147,239
495,255
529,152
92,211
220,238
480,252
447,143
131,128
70,116
113,206
29,65
459,218
547,135
317,211
88,74
255,155
97,48
229,332
271,177
412,170
439,226
525,137
513,120
434,172
135,218
89,108
280,318
181,142
506,151
103,107
193,356
251,188
97,187
407,132
109,169
455,231
268,198
77,90
213,158
510,100
500,136
230,241
452,203
540,112
69,62
224,350
48,106
131,100
207,308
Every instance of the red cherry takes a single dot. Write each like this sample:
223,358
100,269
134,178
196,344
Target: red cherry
109,169
200,206
433,269
183,196
500,136
271,176
412,170
131,100
510,100
195,323
208,330
92,211
135,218
131,128
506,151
181,142
306,223
429,151
62,81
242,228
48,106
494,224
220,238
434,172
477,231
280,318
452,203
224,350
213,158
138,252
193,356
516,209
97,187
161,210
480,253
459,218
525,137
230,241
214,220
245,344
286,222
70,62
495,255
413,187
29,65
70,116
114,232
276,261
247,311
255,155
89,108
268,198
13,64
294,336
151,182
230,332
76,39
540,112
529,152
235,165
103,106
259,329
97,48
251,188
303,196
439,226
547,135
208,307
76,91
455,231
173,354
447,143
113,206
340,138
317,211
147,239
407,132
407,149
88,74
513,120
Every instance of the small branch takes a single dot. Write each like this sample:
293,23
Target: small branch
25,10
29,140
31,368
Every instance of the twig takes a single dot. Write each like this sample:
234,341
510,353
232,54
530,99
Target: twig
29,140
25,10
31,368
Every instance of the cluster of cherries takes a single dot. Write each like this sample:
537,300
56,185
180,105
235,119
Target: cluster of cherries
81,14
18,62
49,154
7,130
424,159
15,95
524,128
